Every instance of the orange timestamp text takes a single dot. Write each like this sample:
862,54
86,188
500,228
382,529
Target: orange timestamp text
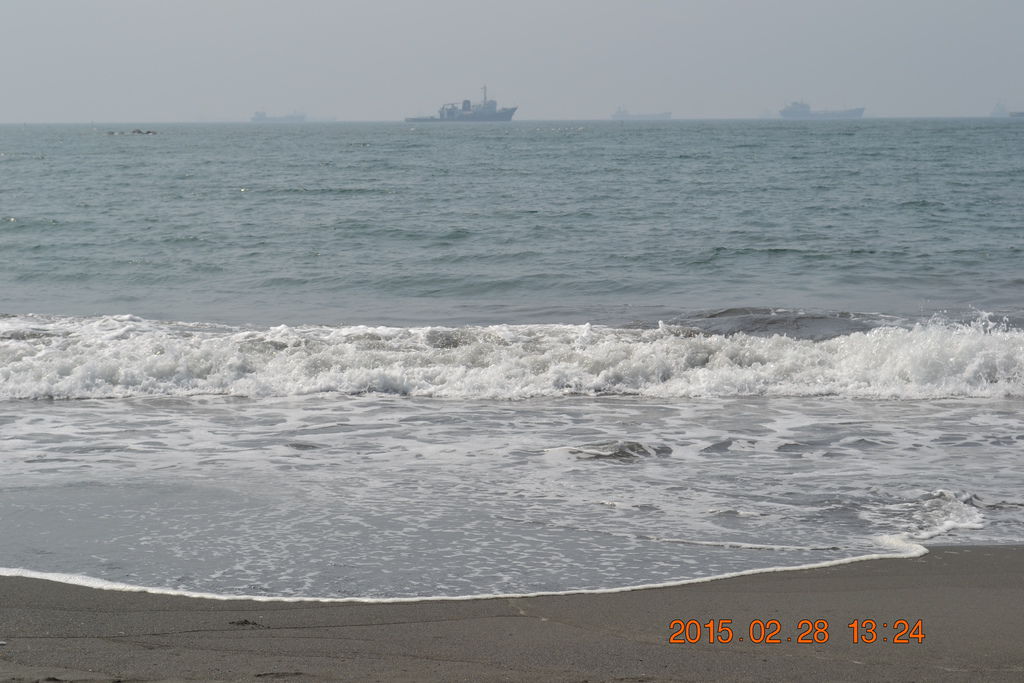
808,631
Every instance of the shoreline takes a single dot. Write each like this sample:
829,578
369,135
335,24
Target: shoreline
967,599
84,581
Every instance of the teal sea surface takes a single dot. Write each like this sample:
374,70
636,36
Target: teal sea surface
395,360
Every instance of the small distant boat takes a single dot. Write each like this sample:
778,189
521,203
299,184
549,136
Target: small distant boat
622,114
487,110
1017,114
261,117
802,111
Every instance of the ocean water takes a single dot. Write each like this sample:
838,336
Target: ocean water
395,361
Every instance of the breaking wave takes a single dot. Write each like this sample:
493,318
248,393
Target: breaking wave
123,356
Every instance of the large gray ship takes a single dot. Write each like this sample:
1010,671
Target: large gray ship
802,111
487,110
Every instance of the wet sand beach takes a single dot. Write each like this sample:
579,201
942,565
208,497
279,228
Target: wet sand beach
968,600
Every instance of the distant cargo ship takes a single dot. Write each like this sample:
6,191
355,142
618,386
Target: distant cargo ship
467,111
802,110
622,114
261,117
1017,114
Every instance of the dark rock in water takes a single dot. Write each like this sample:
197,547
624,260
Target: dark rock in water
302,446
623,451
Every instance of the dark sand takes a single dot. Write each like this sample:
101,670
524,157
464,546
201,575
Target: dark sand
971,601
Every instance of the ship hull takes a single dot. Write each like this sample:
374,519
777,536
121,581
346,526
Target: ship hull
505,114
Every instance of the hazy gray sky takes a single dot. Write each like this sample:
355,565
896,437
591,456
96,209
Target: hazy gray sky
207,60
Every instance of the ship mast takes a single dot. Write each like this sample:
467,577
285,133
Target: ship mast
485,95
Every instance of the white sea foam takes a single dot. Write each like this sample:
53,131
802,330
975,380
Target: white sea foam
122,356
932,514
384,497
